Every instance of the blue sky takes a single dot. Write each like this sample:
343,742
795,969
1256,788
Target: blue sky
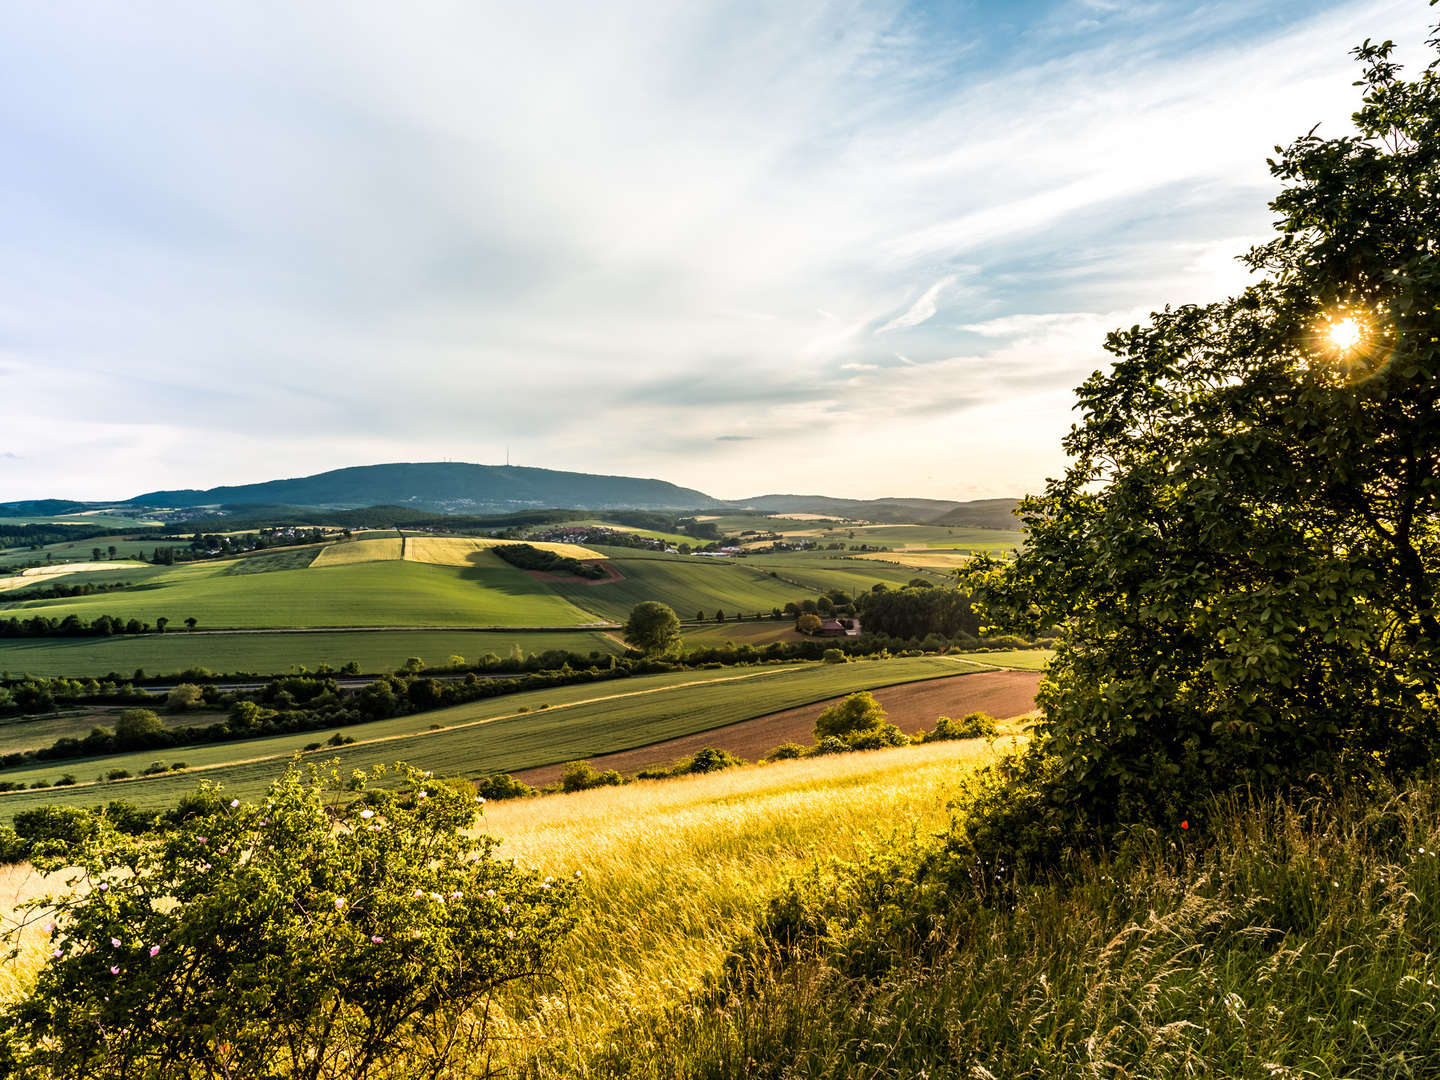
855,248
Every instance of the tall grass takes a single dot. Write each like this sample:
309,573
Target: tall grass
676,872
1297,942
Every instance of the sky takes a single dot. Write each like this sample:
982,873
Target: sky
859,248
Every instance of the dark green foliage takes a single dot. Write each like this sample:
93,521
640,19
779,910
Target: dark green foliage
975,725
503,786
1245,551
653,628
533,558
917,610
855,713
581,776
365,928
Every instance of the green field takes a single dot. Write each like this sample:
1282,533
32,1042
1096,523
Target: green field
816,573
580,721
279,652
33,732
687,584
741,633
393,593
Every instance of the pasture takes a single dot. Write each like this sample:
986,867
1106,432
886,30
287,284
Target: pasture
687,584
222,594
279,652
503,734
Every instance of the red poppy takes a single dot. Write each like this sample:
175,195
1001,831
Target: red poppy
1184,824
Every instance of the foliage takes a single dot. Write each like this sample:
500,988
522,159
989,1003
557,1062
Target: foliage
581,776
501,786
1244,551
917,610
855,713
834,656
334,930
183,696
532,558
975,725
808,623
653,628
138,727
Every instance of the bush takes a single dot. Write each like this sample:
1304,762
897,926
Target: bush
183,696
706,760
299,930
138,726
856,713
877,738
503,786
975,725
581,776
787,752
833,656
61,826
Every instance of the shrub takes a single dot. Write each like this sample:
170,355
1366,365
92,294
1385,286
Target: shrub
856,713
581,775
138,726
62,826
297,931
154,767
975,725
503,786
877,738
183,696
833,656
786,752
706,760
118,774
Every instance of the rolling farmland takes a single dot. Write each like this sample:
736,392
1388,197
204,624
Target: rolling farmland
280,651
687,584
508,733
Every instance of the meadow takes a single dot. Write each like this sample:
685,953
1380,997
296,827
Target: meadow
675,872
688,584
503,734
224,594
279,652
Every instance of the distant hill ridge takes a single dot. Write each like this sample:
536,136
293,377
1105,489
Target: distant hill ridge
448,487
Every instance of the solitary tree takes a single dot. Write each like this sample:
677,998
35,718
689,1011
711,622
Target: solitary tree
653,628
1244,553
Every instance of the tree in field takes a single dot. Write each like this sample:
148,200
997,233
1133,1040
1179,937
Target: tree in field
183,696
653,628
1244,554
111,551
191,623
137,726
160,624
849,716
808,623
95,554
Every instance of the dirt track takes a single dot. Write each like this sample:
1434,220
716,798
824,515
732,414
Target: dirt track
911,706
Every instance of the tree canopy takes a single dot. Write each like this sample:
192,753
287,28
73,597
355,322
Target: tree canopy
1244,550
652,628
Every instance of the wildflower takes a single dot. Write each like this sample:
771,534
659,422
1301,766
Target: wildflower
339,902
201,840
103,886
424,794
456,895
57,954
154,951
234,803
114,971
114,942
205,868
419,893
510,934
376,939
490,893
367,814
1185,824
49,928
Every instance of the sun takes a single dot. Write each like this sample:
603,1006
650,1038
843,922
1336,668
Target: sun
1345,334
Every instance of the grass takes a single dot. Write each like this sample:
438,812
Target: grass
391,593
494,734
32,732
741,633
687,584
675,872
279,652
813,573
1293,942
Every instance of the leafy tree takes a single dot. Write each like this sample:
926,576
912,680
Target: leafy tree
808,623
653,628
333,930
191,623
160,624
1244,551
138,726
856,713
183,696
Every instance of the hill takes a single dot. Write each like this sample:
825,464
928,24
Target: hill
981,513
445,486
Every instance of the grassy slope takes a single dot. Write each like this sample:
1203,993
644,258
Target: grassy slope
581,721
687,585
393,593
278,653
675,872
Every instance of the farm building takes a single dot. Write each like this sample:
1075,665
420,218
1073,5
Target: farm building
840,628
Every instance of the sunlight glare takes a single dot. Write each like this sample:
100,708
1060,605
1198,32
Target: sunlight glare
1345,334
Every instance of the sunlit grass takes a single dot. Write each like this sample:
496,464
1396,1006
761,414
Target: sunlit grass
676,871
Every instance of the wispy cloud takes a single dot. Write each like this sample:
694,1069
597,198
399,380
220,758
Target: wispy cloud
362,234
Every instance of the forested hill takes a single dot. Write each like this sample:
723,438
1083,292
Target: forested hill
979,514
446,486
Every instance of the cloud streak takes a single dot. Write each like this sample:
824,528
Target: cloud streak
598,233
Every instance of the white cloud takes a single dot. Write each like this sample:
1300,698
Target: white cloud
923,310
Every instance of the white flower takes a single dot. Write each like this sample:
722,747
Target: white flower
234,803
367,814
339,902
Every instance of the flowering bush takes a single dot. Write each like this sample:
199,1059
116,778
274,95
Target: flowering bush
334,930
